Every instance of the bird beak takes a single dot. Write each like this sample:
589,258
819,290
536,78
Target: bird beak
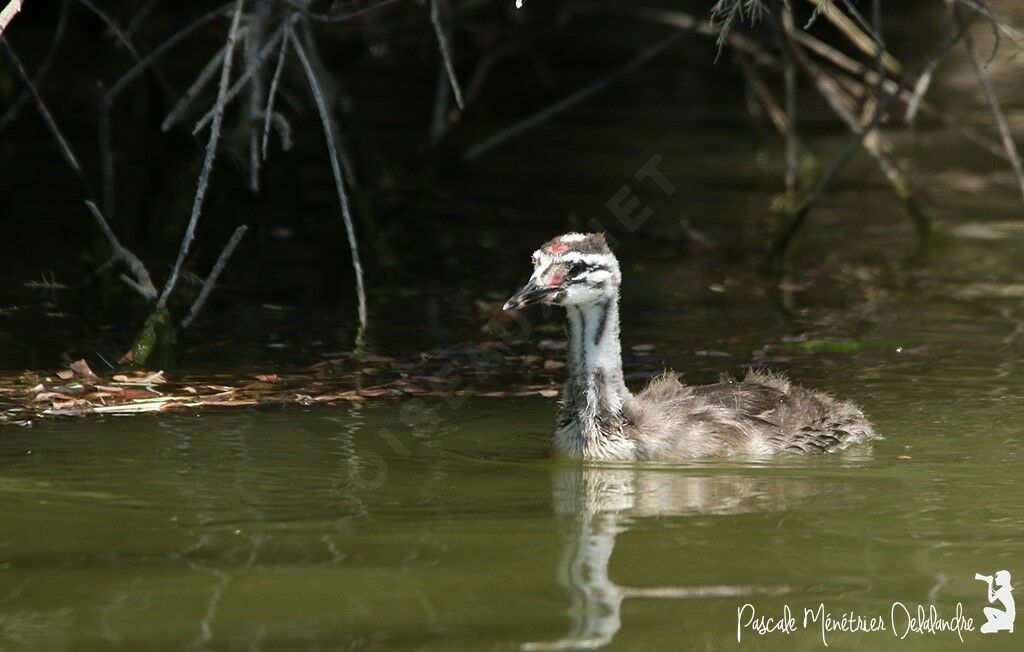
529,294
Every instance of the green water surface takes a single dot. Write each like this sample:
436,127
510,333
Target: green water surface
443,525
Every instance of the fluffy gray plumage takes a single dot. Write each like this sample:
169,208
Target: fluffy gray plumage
601,420
763,413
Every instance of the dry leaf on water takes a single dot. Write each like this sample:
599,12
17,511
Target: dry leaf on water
80,368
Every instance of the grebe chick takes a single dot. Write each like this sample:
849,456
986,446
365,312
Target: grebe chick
601,420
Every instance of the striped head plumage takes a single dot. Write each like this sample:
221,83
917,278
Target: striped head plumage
574,269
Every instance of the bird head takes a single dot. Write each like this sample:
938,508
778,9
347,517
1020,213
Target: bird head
574,269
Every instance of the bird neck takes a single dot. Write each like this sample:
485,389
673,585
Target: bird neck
595,389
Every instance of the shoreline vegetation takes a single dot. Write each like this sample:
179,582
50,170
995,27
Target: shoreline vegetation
267,66
77,391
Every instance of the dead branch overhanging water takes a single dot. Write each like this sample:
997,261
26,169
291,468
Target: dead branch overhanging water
782,242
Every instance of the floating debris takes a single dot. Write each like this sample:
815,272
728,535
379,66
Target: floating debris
489,368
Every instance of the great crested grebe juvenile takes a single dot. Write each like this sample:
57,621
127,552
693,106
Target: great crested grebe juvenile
601,420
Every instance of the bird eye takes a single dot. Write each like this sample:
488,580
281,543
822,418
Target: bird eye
577,268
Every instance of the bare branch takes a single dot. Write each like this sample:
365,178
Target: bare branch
339,184
196,87
442,41
876,145
284,130
781,243
211,280
735,40
211,155
990,95
1001,23
255,106
142,283
741,43
250,70
873,32
868,44
162,49
921,87
51,124
44,66
268,112
572,100
113,26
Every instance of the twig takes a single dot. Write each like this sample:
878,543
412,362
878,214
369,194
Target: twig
250,70
572,100
197,86
682,20
873,32
284,130
740,43
8,14
211,155
268,112
329,135
113,26
996,40
997,111
142,283
162,49
869,45
334,94
870,78
442,41
874,143
921,87
256,101
1003,25
51,124
44,66
876,15
211,280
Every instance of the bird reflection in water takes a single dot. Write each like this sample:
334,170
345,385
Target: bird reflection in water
595,504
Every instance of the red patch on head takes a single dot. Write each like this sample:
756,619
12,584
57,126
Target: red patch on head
555,280
559,248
